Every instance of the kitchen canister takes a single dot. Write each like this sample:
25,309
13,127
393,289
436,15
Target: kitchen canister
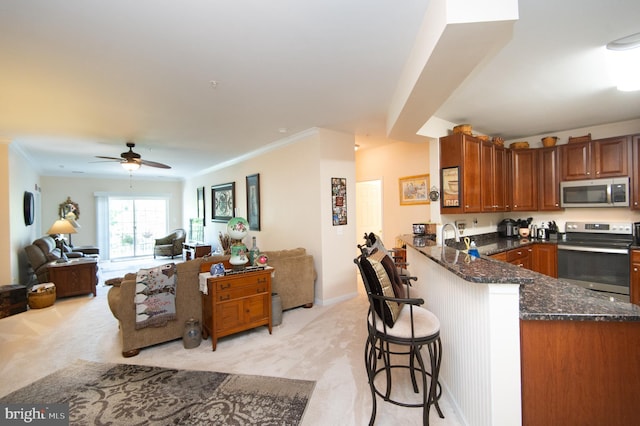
192,335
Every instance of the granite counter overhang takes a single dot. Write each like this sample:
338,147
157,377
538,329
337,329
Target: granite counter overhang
541,297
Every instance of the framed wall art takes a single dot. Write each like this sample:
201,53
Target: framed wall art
223,202
414,190
253,201
201,205
450,187
339,201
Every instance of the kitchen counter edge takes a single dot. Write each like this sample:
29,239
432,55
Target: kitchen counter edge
541,297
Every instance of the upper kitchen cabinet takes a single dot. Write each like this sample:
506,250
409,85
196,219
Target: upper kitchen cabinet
635,176
460,161
494,169
549,178
524,179
596,159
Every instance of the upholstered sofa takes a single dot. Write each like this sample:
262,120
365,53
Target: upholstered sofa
43,251
294,278
188,305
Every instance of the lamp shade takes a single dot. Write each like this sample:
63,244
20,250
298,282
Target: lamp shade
61,226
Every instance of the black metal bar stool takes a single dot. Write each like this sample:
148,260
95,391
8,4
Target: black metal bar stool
399,327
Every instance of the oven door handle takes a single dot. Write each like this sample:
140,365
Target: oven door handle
593,249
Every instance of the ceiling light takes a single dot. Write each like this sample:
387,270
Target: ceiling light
130,165
624,61
356,147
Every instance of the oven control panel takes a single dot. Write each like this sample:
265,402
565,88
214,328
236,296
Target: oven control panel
600,227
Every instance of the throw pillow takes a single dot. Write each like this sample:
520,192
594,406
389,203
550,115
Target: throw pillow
155,297
394,276
380,284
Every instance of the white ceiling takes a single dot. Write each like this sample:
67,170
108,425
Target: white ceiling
79,78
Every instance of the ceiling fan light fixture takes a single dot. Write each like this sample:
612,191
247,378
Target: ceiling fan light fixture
623,57
130,165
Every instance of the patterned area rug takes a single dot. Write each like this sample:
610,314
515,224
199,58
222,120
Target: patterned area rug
122,394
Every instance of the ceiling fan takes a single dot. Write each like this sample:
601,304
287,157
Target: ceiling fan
131,161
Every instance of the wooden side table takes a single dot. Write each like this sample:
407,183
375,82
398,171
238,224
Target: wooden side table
235,303
193,250
78,276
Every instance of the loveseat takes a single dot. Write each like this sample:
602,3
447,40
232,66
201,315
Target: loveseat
188,304
294,278
43,251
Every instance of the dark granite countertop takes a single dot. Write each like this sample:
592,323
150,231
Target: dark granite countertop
541,297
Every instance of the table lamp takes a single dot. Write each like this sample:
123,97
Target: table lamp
62,226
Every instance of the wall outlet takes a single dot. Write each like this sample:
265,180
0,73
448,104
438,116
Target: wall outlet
461,225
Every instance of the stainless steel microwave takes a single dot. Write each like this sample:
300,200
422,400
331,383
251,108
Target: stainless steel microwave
595,193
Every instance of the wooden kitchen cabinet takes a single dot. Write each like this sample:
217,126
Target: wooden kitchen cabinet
596,159
524,178
235,303
542,258
634,290
520,257
545,259
549,178
579,372
463,151
493,173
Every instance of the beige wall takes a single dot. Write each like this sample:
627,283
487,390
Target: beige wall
295,204
21,177
389,163
55,190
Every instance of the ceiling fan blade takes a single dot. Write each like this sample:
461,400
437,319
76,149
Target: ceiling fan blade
154,164
109,158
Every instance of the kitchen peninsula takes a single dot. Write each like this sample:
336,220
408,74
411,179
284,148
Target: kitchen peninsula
520,347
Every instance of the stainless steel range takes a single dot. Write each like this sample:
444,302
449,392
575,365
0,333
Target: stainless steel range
595,255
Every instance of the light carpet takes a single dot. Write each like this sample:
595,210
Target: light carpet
99,393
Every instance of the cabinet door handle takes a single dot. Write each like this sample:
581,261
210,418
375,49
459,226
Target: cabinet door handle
227,297
225,286
635,269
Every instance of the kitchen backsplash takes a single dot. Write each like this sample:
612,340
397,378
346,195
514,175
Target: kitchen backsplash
486,223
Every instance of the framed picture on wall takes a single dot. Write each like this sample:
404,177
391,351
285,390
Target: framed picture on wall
223,202
253,201
450,187
414,190
339,201
201,204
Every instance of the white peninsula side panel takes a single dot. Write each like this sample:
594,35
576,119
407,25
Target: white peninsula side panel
480,336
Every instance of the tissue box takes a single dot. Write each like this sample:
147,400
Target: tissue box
13,299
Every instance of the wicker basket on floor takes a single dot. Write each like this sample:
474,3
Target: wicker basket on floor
42,299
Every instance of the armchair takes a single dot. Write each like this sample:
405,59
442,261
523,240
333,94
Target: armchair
171,245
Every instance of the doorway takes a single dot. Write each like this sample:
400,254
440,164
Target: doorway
369,208
134,224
